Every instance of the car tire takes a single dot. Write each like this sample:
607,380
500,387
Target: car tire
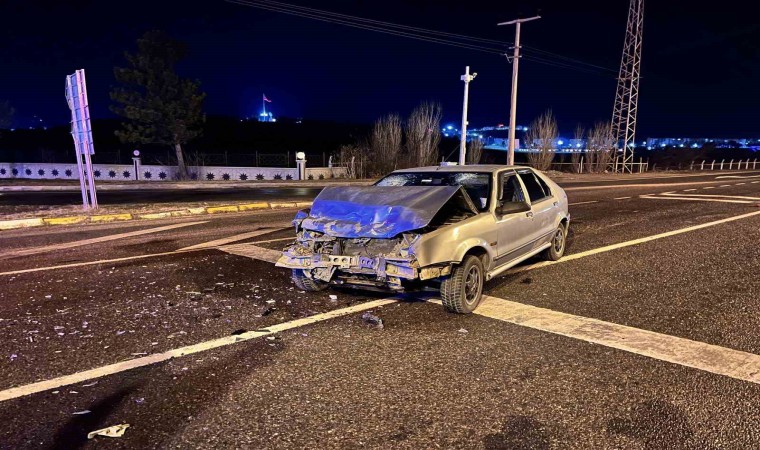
558,244
462,290
305,283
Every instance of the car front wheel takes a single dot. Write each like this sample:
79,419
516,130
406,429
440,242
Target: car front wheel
305,283
462,290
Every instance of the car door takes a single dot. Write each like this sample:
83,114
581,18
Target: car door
515,230
542,205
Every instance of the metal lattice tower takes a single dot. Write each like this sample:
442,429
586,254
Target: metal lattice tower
627,96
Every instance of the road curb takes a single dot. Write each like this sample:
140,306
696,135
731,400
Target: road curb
105,218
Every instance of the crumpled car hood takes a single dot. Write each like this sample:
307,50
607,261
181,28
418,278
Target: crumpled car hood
377,211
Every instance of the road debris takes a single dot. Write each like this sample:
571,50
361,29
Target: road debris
463,331
372,320
333,297
81,413
112,431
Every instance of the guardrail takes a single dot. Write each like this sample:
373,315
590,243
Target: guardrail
721,166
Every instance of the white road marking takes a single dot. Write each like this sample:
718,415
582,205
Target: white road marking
698,355
755,182
33,388
621,198
725,185
110,237
639,185
696,199
740,184
582,203
90,263
253,251
231,239
737,197
737,176
611,247
292,238
689,190
709,187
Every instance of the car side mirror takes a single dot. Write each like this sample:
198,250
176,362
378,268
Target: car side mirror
512,207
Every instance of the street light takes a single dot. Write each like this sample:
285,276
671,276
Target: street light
463,143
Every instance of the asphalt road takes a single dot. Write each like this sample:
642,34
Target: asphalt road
251,192
82,298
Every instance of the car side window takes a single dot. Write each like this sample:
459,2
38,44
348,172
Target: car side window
535,191
511,190
547,191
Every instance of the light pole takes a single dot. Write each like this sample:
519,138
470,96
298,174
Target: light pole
513,105
463,144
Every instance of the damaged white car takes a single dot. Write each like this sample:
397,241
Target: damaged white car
452,226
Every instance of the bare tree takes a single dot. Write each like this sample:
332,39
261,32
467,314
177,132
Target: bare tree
423,134
385,144
540,138
600,147
474,151
575,157
350,156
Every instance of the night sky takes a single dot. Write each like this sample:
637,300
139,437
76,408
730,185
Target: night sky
700,63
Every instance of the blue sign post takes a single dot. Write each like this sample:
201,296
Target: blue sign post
81,131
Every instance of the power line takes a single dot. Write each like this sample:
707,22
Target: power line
372,28
373,21
417,33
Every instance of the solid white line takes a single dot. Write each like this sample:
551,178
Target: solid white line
253,251
737,197
583,203
698,355
737,176
696,199
608,248
237,237
90,263
292,238
33,388
621,198
111,237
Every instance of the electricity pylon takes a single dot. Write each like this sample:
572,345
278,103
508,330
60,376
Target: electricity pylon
627,95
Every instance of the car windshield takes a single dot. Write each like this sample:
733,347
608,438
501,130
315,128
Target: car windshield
477,185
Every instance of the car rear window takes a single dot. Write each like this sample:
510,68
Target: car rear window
534,186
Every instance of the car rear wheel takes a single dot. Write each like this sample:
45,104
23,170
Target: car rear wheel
557,248
305,283
462,290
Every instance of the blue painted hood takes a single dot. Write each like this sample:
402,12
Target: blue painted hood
375,211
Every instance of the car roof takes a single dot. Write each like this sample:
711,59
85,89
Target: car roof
491,168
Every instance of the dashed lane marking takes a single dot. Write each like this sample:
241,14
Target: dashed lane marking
79,377
709,187
638,241
689,190
111,237
291,238
621,198
235,238
698,355
725,185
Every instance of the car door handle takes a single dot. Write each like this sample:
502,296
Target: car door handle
556,203
528,214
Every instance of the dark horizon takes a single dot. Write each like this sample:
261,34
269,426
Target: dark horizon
698,66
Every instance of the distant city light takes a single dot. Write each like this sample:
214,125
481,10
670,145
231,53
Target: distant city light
449,127
560,142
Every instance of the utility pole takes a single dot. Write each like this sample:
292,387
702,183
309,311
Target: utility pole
463,144
513,105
